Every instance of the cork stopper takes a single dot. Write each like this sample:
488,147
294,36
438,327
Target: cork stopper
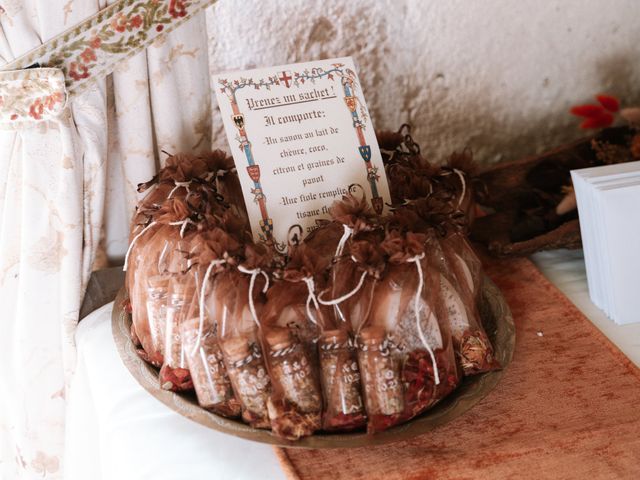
192,323
372,335
279,338
183,289
334,336
176,264
158,281
236,348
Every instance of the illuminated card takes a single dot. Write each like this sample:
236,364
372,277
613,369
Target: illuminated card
301,136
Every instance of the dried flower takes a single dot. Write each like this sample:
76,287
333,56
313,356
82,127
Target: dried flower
609,102
597,116
587,110
475,353
605,119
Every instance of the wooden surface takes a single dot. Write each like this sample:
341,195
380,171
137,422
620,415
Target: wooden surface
567,407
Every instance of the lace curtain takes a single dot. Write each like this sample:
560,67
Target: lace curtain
56,176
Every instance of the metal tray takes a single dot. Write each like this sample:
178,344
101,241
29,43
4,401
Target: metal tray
498,323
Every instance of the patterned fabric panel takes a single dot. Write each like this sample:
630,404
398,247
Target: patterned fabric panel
31,95
85,53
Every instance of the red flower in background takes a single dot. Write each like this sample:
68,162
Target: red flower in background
609,102
600,115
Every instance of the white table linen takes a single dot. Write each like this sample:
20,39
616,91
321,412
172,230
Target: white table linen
116,430
566,270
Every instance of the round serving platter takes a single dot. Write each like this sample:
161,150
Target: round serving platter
497,321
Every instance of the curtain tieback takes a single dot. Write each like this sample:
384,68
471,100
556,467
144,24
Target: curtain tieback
37,86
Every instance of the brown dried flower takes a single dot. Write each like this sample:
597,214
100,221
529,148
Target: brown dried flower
475,353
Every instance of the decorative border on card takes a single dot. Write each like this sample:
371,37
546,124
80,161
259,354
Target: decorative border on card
296,79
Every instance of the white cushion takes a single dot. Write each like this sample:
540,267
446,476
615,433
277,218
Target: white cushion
116,430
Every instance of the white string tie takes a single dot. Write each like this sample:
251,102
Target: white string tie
346,296
161,258
135,239
416,307
178,185
348,231
464,186
184,224
462,181
254,273
207,274
311,286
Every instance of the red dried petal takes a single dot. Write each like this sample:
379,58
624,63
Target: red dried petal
610,103
605,119
587,110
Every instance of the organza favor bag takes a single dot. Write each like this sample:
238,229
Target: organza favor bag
346,302
183,292
460,281
295,401
352,285
460,285
158,258
341,381
239,300
206,365
160,249
199,331
173,180
405,352
290,331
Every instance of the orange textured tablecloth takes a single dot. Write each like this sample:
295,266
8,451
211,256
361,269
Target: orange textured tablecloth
568,407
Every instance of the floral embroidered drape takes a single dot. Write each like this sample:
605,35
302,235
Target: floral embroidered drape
68,176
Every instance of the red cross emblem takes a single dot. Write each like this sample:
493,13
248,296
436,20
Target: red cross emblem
285,77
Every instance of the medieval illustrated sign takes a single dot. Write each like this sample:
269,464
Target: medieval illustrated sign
301,135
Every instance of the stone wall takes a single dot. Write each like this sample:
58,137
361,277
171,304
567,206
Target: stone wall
496,75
